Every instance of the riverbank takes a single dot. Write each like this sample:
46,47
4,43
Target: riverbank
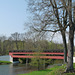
4,62
56,70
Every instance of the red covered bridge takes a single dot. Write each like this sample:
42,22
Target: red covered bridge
46,54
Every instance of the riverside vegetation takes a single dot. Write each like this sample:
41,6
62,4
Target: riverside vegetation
56,70
22,42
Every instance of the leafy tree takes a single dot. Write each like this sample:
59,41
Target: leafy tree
37,61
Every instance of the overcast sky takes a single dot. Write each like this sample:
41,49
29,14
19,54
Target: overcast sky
13,15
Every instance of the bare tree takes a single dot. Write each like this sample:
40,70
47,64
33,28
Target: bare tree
49,18
53,16
10,41
16,38
68,8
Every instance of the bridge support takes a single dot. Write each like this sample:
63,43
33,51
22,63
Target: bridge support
11,59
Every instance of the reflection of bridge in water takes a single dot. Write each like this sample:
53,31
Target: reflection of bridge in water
45,54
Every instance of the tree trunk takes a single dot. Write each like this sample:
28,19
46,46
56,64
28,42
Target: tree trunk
71,38
65,46
74,17
70,50
23,45
17,44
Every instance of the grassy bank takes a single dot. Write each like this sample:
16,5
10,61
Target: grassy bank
5,62
57,70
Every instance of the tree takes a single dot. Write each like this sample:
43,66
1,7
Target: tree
47,18
68,8
10,43
2,47
37,61
53,16
15,37
71,37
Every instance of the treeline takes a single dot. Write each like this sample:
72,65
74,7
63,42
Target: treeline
23,42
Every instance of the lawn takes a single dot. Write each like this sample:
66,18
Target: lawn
5,62
57,70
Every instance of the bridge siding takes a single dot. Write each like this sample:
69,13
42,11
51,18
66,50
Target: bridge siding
45,57
43,53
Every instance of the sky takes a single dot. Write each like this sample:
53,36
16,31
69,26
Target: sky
13,15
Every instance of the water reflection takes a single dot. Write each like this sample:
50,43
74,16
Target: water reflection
5,70
14,69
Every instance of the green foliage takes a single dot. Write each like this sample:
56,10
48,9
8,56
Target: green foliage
37,62
53,45
48,60
22,60
27,44
57,61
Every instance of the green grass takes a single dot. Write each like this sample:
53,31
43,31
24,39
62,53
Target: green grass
57,70
42,72
5,62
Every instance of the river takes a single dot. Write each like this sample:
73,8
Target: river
11,69
15,69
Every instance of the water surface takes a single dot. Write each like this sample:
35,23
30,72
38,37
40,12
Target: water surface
11,69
